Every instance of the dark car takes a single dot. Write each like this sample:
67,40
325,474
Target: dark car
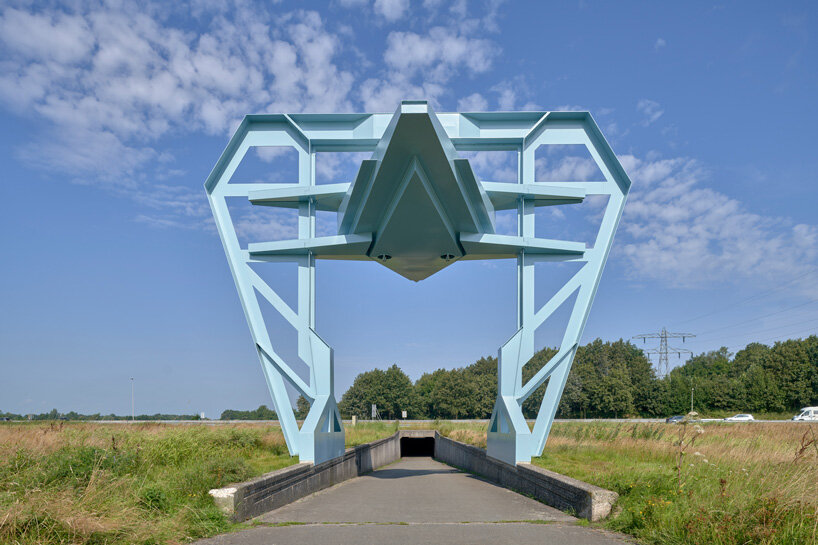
674,419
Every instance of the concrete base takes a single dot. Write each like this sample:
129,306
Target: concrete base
577,497
273,490
270,491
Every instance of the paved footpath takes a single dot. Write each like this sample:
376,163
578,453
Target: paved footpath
416,500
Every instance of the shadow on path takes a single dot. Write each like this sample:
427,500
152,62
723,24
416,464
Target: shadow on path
398,473
415,490
417,500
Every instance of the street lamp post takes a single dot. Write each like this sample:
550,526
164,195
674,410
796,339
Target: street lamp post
691,398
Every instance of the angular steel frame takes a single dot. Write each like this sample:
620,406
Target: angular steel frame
321,435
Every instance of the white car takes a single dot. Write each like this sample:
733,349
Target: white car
807,414
740,418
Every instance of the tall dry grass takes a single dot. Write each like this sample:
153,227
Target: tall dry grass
366,432
472,433
147,484
742,483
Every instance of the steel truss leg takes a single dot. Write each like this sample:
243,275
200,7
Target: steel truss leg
509,437
321,435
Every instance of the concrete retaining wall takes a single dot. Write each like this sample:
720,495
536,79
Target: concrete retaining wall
273,490
582,499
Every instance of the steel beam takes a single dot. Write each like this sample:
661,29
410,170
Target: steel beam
417,199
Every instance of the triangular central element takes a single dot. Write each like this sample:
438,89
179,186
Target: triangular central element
416,238
415,212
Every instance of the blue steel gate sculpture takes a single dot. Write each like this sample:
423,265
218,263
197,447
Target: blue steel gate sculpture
416,207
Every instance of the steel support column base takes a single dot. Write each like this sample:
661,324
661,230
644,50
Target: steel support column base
508,438
322,434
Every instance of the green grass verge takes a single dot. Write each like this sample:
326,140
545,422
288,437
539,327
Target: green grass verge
147,484
143,484
739,484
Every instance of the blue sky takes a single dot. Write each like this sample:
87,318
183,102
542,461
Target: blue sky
113,116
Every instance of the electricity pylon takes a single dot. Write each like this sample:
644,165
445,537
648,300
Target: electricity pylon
663,367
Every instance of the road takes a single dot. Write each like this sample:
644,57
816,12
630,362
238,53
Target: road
417,500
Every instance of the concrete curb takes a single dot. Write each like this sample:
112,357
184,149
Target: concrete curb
580,498
250,499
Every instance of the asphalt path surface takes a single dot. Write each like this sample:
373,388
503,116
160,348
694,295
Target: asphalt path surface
417,500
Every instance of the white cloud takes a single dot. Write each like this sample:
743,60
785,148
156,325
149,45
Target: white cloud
566,167
432,5
475,102
165,222
493,166
506,97
126,78
385,94
490,19
268,154
391,10
338,167
59,37
109,84
682,233
179,200
511,93
650,110
419,66
459,8
660,43
266,225
119,78
438,55
110,81
87,156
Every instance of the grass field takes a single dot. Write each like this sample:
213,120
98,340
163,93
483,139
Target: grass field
740,483
131,484
147,483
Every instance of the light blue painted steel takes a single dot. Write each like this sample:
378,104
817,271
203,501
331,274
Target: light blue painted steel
416,207
509,437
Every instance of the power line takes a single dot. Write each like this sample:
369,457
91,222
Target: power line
664,365
777,337
790,335
765,315
741,302
765,330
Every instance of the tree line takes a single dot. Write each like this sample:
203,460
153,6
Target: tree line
265,413
607,380
54,414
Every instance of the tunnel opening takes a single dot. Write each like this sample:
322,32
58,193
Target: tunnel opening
417,446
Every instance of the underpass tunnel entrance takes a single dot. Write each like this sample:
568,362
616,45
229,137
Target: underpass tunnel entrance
417,446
